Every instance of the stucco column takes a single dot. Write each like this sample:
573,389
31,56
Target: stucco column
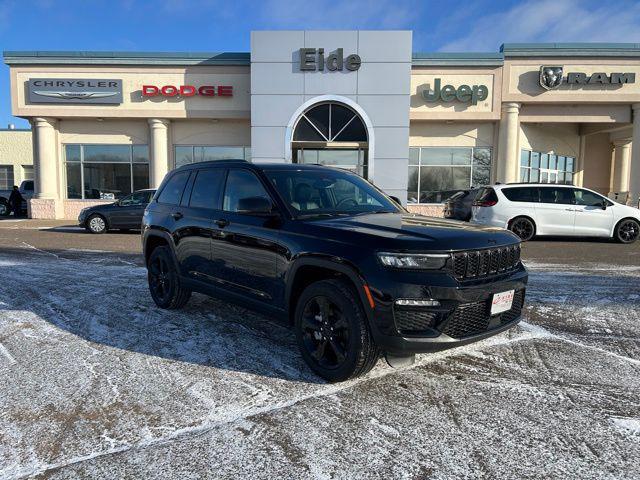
45,158
159,134
634,164
508,167
622,157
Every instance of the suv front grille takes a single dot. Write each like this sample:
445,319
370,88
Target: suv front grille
470,319
481,263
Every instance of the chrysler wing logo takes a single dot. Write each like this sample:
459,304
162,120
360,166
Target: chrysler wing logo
74,95
550,77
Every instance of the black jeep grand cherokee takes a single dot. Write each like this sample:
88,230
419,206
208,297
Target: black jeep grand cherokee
351,270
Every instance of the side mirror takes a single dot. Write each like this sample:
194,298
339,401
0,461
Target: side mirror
395,199
603,205
255,206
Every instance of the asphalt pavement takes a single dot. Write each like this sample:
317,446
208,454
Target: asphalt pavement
95,381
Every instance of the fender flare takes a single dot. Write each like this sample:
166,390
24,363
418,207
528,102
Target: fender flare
340,265
167,238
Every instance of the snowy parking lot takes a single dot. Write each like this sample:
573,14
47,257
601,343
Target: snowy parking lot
95,381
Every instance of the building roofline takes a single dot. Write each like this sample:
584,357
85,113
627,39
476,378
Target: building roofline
570,49
38,57
457,59
15,129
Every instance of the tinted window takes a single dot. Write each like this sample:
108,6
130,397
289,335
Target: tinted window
242,184
172,191
138,198
28,185
487,195
521,194
328,192
206,189
584,197
556,195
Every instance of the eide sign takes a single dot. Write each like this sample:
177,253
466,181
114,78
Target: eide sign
313,59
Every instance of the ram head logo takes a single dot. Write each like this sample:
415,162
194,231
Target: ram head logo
550,77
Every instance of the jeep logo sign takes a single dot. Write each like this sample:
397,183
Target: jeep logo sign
449,93
313,59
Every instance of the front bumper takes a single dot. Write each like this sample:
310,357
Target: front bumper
463,316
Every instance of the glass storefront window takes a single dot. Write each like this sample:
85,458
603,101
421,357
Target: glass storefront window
436,173
546,167
106,153
185,154
106,172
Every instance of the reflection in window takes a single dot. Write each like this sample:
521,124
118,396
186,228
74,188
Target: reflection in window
106,171
437,173
186,154
536,167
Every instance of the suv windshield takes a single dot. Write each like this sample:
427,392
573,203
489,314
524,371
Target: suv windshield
310,193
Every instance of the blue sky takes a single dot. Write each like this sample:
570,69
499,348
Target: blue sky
224,25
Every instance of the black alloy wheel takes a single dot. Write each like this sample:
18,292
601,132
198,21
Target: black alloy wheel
164,282
332,331
628,231
325,332
524,228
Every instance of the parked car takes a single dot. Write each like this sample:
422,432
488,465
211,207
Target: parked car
458,206
353,272
125,214
25,189
529,210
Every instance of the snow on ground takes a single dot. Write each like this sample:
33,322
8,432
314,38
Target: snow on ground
96,381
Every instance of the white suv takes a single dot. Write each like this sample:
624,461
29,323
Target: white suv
539,209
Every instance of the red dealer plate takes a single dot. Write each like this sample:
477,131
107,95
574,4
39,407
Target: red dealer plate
502,302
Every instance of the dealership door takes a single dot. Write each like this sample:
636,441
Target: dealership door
331,133
354,159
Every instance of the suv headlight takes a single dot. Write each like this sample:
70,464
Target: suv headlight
415,261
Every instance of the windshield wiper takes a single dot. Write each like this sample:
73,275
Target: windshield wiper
312,215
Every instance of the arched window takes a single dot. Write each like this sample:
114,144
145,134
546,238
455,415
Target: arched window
333,134
330,122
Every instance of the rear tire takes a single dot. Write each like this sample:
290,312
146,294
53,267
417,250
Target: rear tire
523,227
332,331
627,231
164,280
4,209
96,224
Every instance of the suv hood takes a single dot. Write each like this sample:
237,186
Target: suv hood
411,231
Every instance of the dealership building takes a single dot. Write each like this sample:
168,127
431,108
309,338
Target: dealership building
419,125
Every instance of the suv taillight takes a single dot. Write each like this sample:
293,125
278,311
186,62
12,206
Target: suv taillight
484,203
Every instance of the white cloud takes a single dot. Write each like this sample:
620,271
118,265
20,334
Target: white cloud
552,21
331,15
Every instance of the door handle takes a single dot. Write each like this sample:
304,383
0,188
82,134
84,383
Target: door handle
177,215
570,210
221,222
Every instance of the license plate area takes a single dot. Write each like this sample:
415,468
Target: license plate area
502,302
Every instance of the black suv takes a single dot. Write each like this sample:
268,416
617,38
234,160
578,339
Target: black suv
354,273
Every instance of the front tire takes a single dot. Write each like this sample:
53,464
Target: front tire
332,331
96,224
627,231
523,227
164,280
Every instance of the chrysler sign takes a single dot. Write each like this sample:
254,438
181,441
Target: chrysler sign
74,90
